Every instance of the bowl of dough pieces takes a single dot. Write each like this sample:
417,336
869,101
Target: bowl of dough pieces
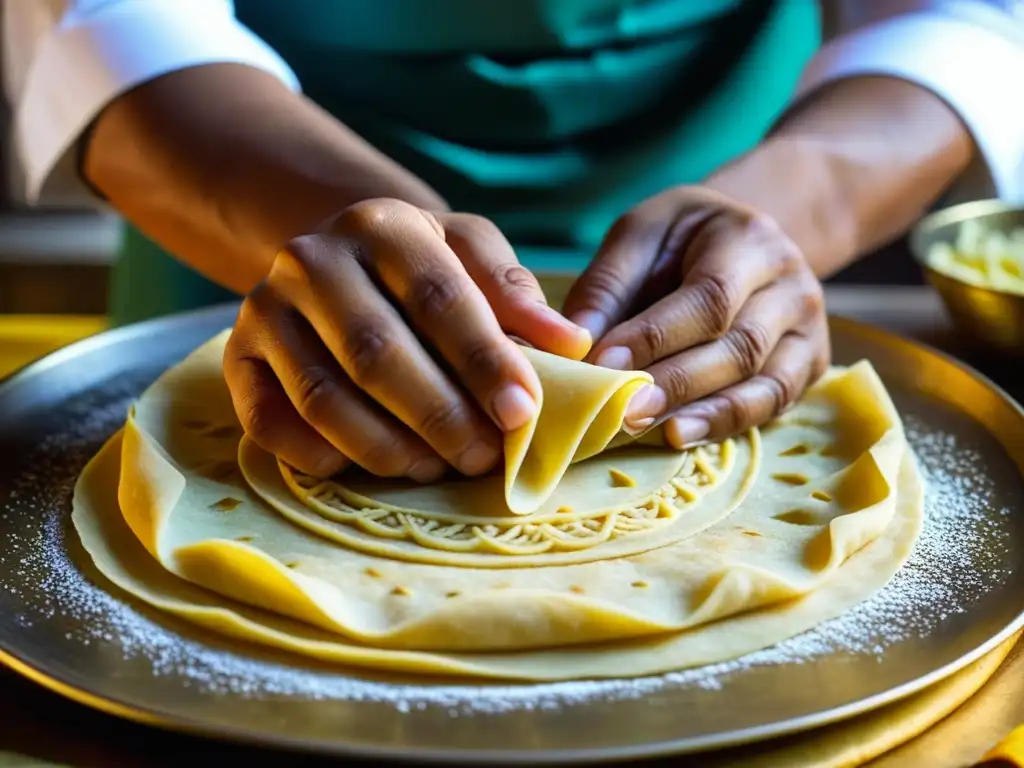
588,554
973,254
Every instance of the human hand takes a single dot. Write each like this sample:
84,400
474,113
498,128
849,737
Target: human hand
716,302
382,342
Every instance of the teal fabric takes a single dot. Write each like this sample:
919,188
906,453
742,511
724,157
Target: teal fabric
551,117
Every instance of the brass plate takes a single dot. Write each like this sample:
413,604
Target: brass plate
962,594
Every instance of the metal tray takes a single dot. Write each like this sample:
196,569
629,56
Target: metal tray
64,627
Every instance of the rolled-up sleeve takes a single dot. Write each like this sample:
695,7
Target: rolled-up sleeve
66,61
968,53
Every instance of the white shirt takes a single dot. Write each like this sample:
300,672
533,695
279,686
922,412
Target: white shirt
64,60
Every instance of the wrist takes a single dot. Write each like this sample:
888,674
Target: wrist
852,167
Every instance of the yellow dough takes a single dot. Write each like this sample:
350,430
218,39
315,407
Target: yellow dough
581,410
639,559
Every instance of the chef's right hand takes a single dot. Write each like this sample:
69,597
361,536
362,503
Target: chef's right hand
382,342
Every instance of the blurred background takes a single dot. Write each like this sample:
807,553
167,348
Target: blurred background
52,261
55,261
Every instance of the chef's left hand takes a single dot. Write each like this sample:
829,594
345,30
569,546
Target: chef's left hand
715,302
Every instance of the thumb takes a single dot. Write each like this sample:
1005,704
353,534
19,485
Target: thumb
515,296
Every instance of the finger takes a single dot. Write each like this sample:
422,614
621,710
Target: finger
513,293
326,398
320,395
731,260
609,286
270,420
448,309
738,355
640,257
372,341
754,402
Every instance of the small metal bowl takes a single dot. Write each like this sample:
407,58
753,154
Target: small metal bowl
986,316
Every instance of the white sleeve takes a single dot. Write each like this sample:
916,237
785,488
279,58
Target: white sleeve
64,60
970,53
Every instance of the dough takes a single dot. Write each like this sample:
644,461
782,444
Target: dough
624,501
581,410
831,504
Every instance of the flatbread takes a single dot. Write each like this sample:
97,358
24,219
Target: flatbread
122,559
831,507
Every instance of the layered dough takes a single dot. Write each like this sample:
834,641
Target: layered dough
580,414
589,556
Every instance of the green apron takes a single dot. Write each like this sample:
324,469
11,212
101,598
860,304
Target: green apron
550,117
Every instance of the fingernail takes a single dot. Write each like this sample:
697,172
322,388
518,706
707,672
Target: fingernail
686,431
591,320
636,428
576,328
478,458
649,402
427,470
330,464
619,358
513,407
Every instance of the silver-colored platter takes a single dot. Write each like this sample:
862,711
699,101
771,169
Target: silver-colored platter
63,626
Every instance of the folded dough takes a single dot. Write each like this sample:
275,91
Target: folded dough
565,496
581,410
831,504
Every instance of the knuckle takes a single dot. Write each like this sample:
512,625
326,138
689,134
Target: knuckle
300,258
315,395
306,262
791,257
783,390
241,344
250,317
716,296
441,421
677,382
384,457
813,297
653,338
370,353
727,223
749,343
256,309
367,216
256,419
434,296
737,413
485,362
764,229
766,232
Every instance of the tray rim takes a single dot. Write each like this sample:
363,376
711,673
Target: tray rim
63,685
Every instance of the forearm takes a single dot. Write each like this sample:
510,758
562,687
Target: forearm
223,164
852,167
